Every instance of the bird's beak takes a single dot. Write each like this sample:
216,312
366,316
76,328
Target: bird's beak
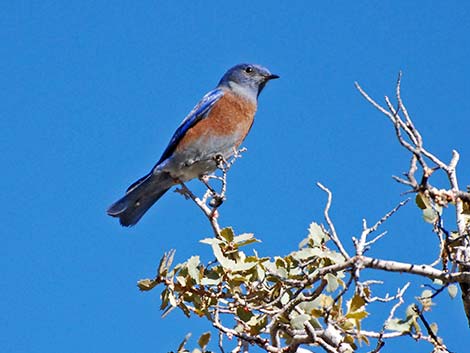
271,77
265,80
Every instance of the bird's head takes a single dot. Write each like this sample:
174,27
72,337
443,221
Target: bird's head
247,79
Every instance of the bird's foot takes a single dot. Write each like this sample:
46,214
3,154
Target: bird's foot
183,190
216,200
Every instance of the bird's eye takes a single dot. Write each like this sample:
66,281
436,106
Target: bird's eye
249,70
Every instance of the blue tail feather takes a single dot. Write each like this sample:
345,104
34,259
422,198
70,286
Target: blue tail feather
140,196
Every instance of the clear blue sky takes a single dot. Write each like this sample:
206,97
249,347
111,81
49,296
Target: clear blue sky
93,90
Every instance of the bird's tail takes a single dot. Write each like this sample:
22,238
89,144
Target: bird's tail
139,197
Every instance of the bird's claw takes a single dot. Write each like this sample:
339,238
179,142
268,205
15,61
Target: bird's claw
183,192
216,200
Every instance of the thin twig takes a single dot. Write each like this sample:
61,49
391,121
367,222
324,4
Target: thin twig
333,234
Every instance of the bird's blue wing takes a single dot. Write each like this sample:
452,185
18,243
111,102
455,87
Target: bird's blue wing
198,113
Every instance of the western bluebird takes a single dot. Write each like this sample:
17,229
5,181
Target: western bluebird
217,125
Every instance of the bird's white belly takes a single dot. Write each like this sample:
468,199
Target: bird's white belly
198,159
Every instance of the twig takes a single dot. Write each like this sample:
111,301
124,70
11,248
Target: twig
333,235
459,256
261,342
399,296
221,342
212,199
204,208
362,243
426,324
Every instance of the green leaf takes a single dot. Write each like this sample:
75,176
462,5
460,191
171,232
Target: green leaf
434,328
181,280
231,264
285,298
164,298
280,262
227,233
209,281
350,340
225,262
210,241
466,208
364,339
184,309
298,321
260,273
334,256
422,201
257,324
348,324
426,299
316,233
357,315
204,340
171,298
193,270
165,263
431,211
211,278
356,303
270,266
332,282
244,314
304,242
452,289
243,266
410,311
324,301
430,215
185,340
306,253
243,238
146,284
176,269
399,325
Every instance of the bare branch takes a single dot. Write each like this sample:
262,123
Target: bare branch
362,243
209,213
212,199
458,255
333,234
373,102
399,296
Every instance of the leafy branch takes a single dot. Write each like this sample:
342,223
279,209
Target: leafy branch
319,295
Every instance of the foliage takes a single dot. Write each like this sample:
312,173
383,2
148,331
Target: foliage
318,295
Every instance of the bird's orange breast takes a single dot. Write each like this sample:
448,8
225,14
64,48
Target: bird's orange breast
231,116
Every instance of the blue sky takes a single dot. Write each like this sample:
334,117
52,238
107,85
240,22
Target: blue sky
92,91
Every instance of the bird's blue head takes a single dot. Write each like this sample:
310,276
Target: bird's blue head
247,79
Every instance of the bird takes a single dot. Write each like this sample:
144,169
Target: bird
214,128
